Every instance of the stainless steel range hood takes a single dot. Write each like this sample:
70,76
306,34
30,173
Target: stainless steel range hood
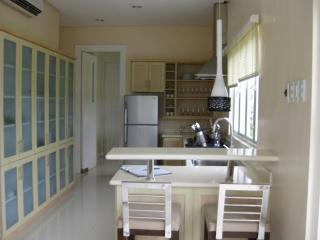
209,70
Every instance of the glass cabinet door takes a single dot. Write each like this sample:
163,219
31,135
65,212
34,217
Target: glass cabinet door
52,99
26,97
62,100
70,163
62,168
41,169
27,188
53,174
40,99
9,98
11,199
70,100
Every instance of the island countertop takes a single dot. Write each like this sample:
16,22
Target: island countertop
195,177
216,154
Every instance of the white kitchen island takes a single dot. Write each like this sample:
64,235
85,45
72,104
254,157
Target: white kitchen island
193,186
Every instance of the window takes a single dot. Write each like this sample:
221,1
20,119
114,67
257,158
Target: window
243,81
244,108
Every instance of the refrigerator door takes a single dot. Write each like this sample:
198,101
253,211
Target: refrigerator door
141,109
141,136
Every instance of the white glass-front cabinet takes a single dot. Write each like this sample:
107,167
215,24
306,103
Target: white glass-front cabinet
36,128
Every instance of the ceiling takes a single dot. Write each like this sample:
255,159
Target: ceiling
121,13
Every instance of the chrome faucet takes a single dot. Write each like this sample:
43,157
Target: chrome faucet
216,129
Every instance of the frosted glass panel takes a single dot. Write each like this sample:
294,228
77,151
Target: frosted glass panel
41,180
40,99
70,162
27,188
62,168
70,100
53,174
11,207
26,98
62,102
52,99
9,101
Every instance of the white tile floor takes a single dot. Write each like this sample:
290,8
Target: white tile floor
87,213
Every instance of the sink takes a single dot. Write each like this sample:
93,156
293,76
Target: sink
191,144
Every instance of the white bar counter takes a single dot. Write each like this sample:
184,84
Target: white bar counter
216,154
193,187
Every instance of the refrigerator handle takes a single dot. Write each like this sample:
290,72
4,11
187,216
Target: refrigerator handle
125,135
125,124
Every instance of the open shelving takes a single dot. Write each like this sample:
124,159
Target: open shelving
185,97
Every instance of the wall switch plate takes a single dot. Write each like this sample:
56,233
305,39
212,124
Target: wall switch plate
291,92
296,91
302,90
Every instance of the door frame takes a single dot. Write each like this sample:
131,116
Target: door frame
313,202
78,92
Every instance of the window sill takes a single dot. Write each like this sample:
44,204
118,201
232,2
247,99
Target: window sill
243,142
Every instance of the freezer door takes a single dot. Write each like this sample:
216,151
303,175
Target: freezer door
141,136
141,109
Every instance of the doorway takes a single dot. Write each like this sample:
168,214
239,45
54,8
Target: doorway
98,125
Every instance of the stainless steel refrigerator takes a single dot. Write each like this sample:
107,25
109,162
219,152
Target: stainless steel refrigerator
141,121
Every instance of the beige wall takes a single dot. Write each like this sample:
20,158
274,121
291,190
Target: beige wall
43,29
286,30
192,43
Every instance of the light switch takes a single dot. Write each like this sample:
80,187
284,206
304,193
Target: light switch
302,90
291,92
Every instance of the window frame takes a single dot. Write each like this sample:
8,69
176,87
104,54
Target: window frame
244,137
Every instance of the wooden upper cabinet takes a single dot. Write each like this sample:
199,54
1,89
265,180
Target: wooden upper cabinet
147,76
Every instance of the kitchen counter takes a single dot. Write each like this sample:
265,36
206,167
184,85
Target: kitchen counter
217,154
203,176
192,188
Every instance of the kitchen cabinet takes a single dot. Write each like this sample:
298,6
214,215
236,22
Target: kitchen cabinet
36,128
185,97
41,180
36,98
169,140
53,174
147,76
70,164
62,169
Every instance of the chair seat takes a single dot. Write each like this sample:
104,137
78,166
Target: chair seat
146,224
210,216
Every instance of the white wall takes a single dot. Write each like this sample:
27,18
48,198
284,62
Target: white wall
286,30
43,29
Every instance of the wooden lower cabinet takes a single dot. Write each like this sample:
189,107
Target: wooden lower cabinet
173,141
29,185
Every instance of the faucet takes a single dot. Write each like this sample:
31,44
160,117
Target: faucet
216,129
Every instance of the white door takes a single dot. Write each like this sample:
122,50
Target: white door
88,111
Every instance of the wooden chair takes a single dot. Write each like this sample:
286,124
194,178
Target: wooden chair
151,214
241,213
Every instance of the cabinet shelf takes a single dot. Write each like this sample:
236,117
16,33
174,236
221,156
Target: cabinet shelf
26,123
197,81
9,125
6,65
9,97
186,118
13,198
42,181
170,89
28,189
195,98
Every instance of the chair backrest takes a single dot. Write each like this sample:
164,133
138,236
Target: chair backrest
242,203
153,206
